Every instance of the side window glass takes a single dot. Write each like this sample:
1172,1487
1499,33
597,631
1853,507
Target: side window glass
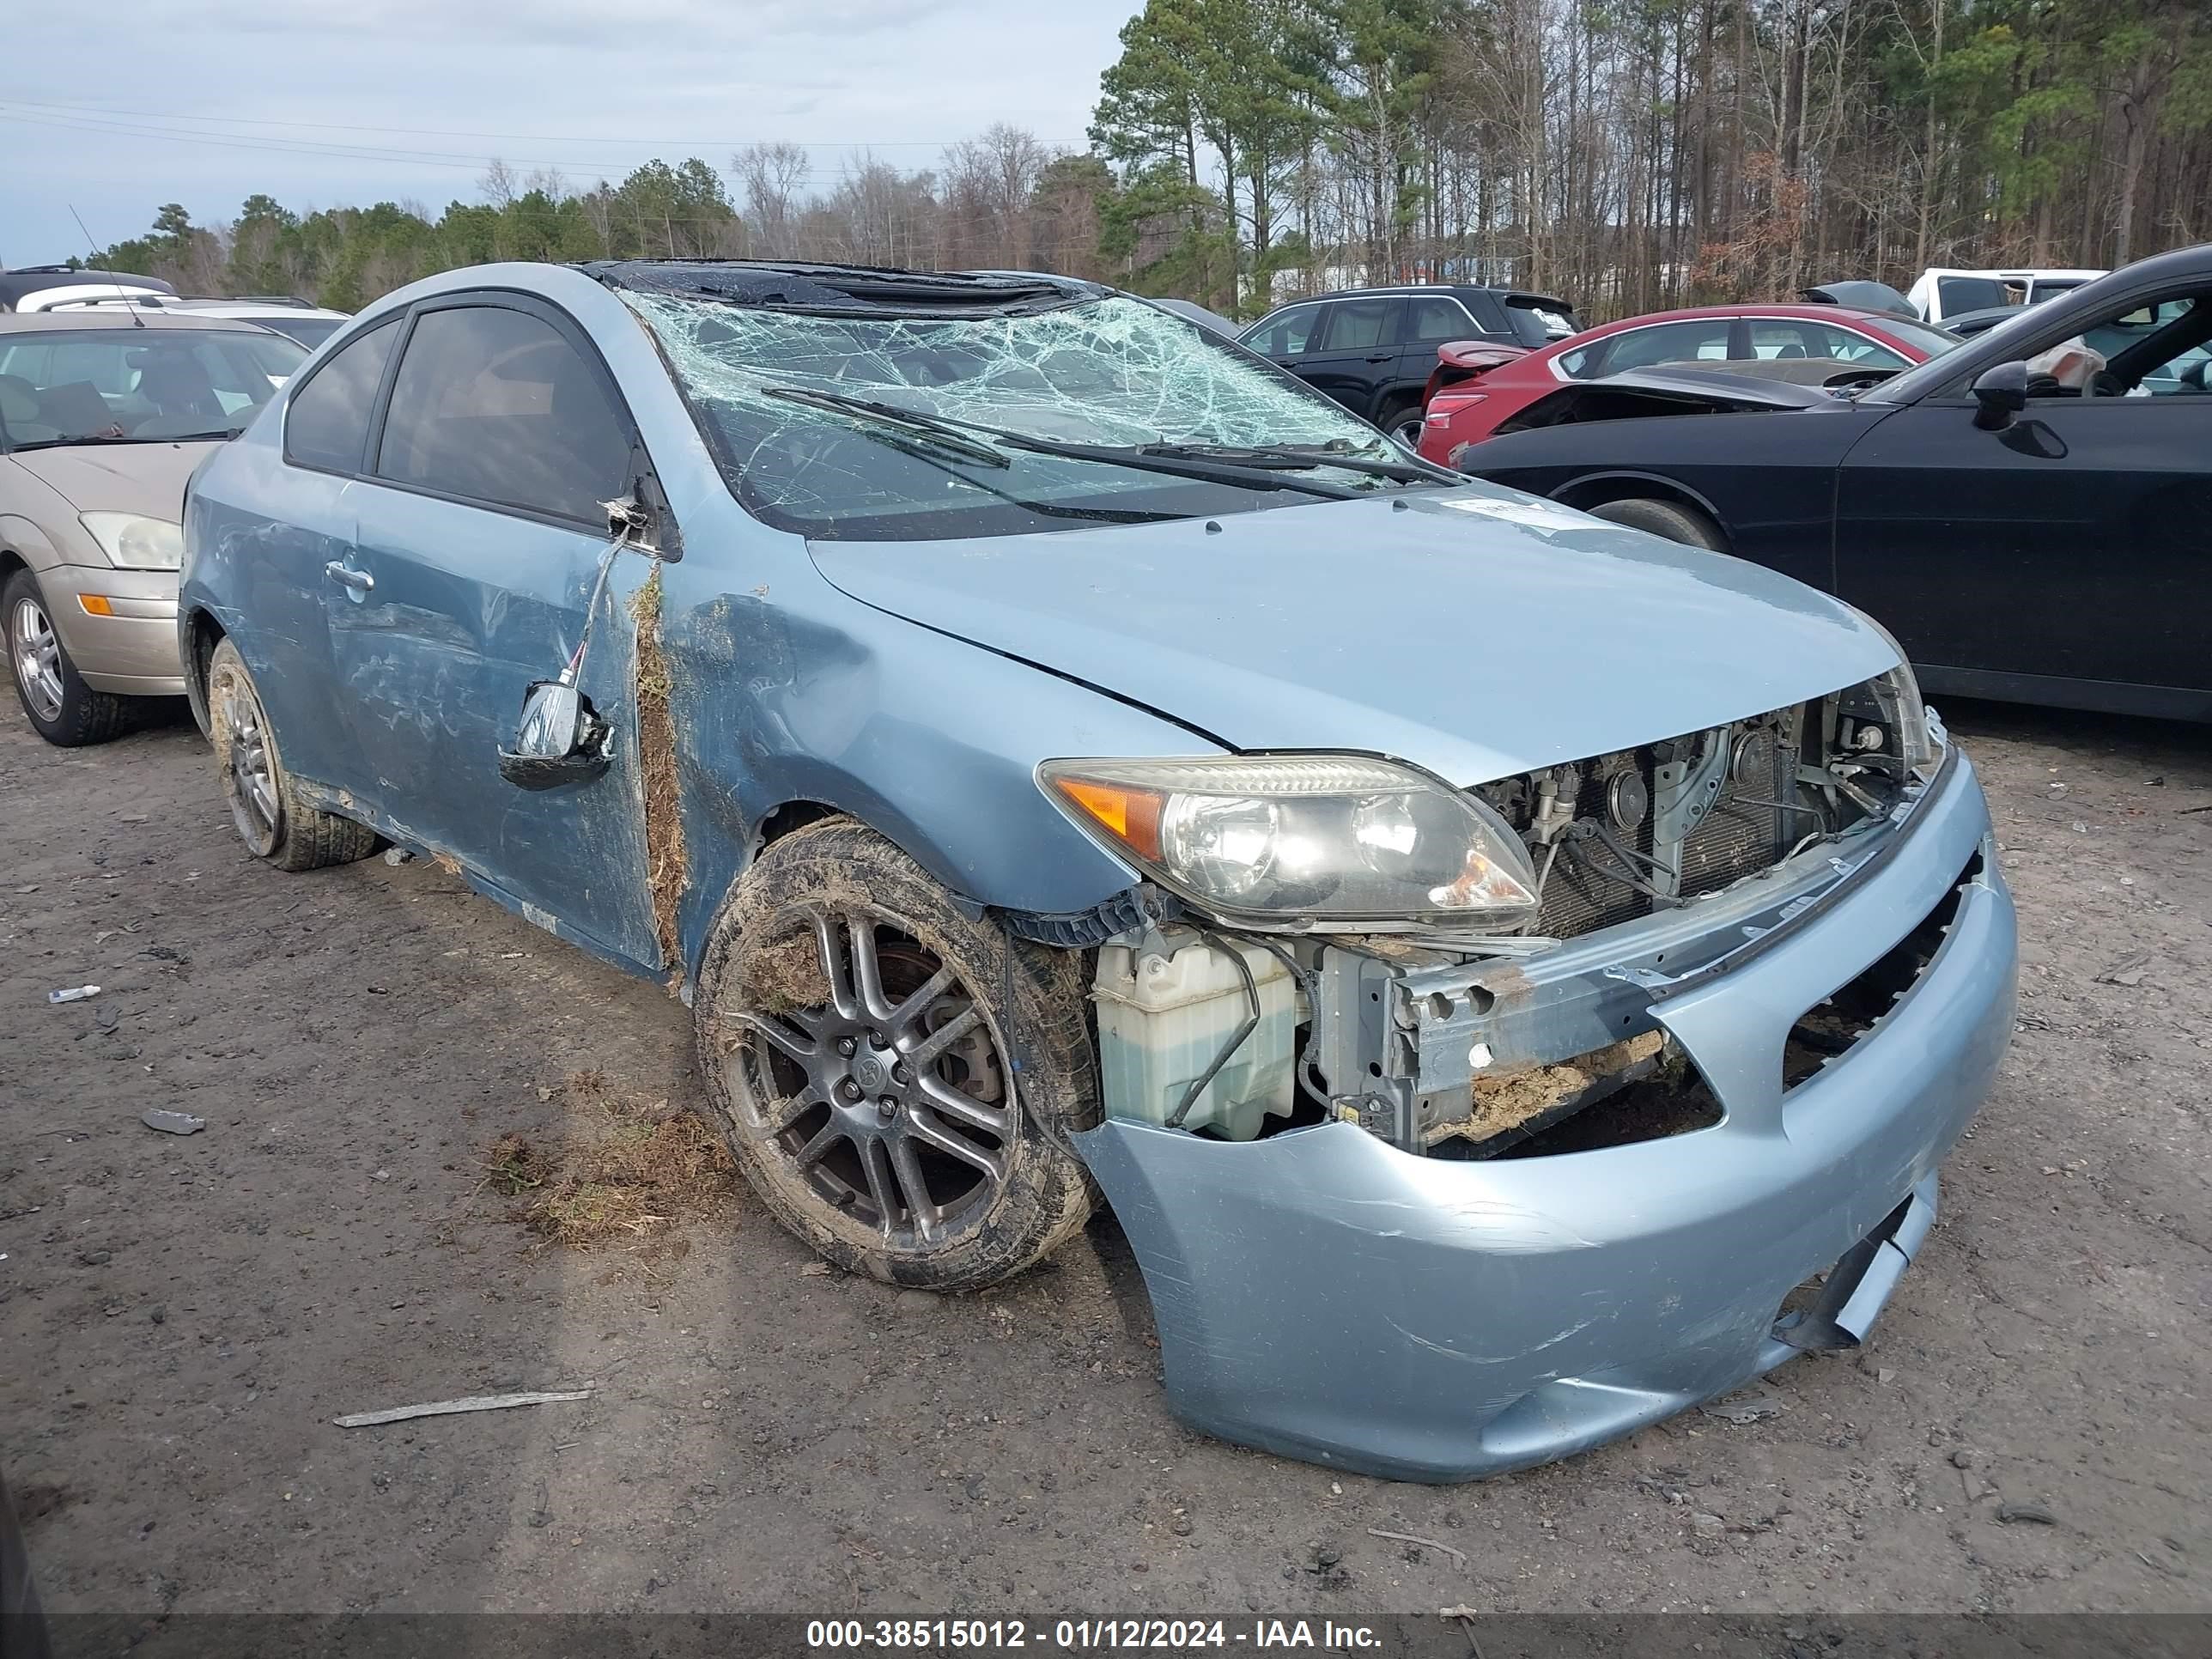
1960,294
1669,342
1358,326
1432,322
1774,338
1792,338
27,362
495,405
1290,335
1490,316
1824,339
327,424
2181,371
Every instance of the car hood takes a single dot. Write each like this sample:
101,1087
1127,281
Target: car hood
1477,632
147,478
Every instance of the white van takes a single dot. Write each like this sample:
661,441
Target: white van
1941,293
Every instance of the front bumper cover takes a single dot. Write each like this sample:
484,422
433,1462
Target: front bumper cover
1320,1294
133,650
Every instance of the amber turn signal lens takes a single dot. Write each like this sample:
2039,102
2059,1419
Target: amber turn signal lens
95,604
1132,817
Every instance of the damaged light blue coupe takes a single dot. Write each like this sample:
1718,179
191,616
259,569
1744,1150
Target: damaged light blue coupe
1512,977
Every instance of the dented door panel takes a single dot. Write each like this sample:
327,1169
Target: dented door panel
468,608
267,561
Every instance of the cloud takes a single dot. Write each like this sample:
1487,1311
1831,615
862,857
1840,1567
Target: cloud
628,26
331,102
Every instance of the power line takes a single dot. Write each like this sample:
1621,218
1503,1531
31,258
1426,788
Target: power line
11,111
456,132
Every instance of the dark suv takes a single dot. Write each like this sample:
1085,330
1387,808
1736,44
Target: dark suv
1371,349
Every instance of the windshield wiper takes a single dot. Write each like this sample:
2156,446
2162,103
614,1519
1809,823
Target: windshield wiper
1298,456
953,433
910,420
1145,457
226,433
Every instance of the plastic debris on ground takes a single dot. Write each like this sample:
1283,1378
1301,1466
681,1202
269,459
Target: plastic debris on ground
173,1123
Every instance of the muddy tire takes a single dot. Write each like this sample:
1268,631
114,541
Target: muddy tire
862,1039
272,820
1676,523
61,707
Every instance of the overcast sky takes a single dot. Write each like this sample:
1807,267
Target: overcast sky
327,103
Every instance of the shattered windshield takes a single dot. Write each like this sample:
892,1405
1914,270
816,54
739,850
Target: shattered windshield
804,415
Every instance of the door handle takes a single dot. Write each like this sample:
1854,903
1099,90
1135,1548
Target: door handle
358,582
1386,357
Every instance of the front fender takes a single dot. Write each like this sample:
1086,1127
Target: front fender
25,539
1588,488
933,742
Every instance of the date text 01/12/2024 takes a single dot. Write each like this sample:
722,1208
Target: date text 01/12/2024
1008,1635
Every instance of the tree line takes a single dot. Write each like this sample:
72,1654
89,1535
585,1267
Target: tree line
1623,154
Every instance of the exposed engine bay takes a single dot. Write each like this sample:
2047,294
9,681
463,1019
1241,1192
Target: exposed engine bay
1649,861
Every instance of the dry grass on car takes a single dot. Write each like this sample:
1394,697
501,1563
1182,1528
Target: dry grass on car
626,1172
656,745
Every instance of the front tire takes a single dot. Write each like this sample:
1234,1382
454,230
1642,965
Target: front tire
61,707
272,819
1664,519
856,1029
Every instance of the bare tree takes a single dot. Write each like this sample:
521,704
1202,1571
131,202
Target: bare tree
770,178
500,184
989,182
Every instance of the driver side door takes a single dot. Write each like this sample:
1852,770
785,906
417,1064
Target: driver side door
2064,557
479,531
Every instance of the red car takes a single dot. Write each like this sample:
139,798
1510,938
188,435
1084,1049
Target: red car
1478,386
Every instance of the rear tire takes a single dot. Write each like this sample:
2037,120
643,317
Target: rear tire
1664,519
277,825
894,1144
1404,424
61,707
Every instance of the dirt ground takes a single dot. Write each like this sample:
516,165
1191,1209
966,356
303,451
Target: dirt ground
181,1318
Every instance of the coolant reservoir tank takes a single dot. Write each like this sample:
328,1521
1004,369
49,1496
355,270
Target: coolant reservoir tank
1163,1018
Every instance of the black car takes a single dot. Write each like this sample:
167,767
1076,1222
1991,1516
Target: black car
1371,349
2024,540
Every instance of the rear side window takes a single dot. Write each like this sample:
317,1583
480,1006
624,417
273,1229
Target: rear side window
327,425
1703,341
1791,338
495,405
1359,324
1432,322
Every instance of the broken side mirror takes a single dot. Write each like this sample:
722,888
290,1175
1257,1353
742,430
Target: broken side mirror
2001,391
560,740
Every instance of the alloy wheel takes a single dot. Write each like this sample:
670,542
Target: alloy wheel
249,776
889,1099
37,655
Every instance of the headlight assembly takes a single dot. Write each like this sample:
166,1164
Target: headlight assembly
137,543
1296,840
1898,693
